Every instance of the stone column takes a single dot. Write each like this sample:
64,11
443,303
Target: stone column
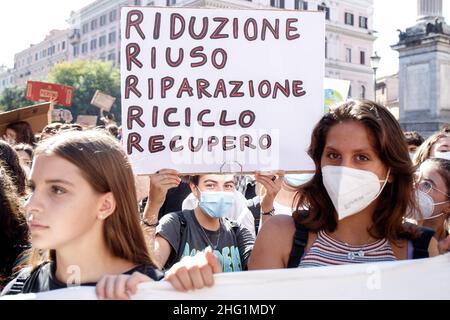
429,9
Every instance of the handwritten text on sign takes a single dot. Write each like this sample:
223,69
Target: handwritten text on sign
202,87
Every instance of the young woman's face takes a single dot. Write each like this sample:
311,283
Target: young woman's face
442,145
24,158
348,145
10,136
63,206
433,184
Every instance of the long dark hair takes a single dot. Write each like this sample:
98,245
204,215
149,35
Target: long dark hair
13,227
11,164
389,142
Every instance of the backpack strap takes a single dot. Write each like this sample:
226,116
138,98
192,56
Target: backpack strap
421,243
175,257
298,246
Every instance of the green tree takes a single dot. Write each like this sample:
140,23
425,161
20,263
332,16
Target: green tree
87,76
13,98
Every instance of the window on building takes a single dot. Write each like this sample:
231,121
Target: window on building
350,92
84,48
150,3
112,16
102,41
63,46
93,44
348,55
94,24
112,56
85,28
102,20
349,18
36,57
300,5
277,3
170,2
363,22
59,47
326,48
137,2
76,50
112,37
323,7
362,57
363,92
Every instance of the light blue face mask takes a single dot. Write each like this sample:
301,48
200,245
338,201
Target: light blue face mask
216,204
296,180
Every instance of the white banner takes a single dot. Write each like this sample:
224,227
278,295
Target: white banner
202,88
412,279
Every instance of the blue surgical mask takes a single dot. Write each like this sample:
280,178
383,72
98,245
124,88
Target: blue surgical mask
296,180
216,204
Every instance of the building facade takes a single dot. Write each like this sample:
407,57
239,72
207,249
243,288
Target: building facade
95,30
35,62
6,78
388,95
349,32
94,33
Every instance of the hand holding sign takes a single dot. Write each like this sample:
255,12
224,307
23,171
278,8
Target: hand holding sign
160,183
271,185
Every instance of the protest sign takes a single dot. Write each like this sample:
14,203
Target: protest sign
38,116
409,279
336,92
102,101
87,121
56,93
203,88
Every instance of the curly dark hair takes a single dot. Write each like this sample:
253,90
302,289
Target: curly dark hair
11,164
13,228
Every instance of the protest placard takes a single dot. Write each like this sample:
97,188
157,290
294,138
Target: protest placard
203,88
38,116
102,100
87,121
52,92
336,92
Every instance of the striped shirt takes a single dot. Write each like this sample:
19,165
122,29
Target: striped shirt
327,251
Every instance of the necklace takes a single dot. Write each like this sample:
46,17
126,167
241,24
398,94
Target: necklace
207,238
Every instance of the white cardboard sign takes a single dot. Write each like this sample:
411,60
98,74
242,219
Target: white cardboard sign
202,88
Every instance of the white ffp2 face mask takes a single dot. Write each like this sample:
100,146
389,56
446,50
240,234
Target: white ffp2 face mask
442,155
351,190
426,206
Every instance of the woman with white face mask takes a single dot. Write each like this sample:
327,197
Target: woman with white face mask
356,200
433,188
436,146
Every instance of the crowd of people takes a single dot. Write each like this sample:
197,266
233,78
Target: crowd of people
72,213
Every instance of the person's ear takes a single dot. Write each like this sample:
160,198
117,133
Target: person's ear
390,178
194,190
107,206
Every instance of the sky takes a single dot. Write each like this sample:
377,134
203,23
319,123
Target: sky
44,15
